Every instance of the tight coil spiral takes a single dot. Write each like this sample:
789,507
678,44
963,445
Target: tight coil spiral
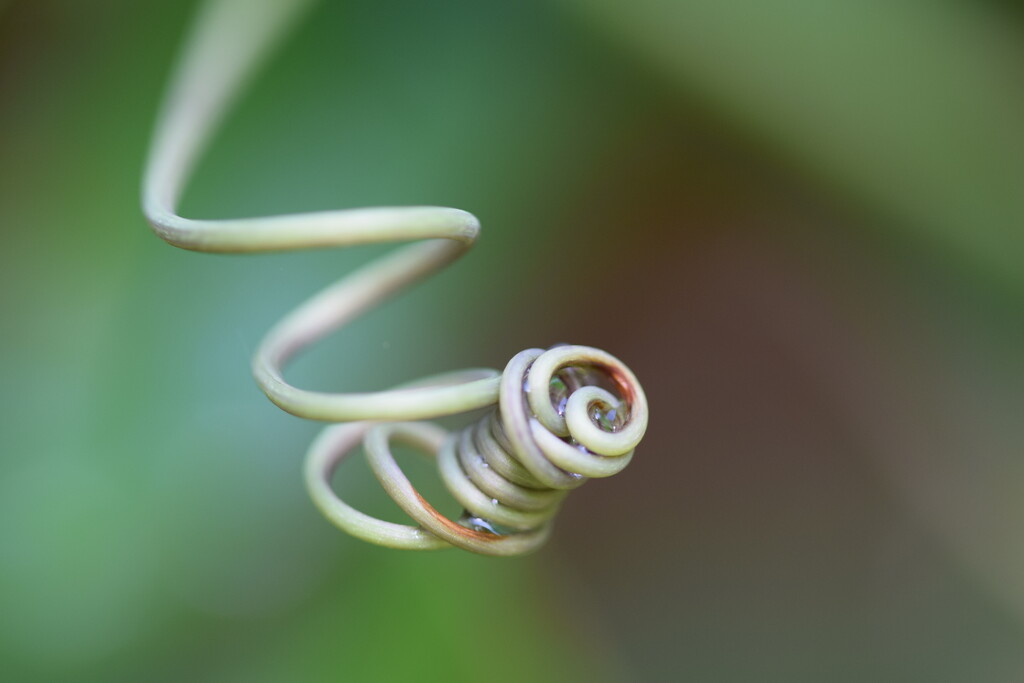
563,415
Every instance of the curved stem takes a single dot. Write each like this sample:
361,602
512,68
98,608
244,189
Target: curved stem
515,465
231,38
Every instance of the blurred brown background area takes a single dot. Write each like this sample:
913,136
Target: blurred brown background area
799,225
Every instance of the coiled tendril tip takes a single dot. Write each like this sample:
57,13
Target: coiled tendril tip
560,416
510,470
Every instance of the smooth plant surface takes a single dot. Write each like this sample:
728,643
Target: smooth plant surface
504,473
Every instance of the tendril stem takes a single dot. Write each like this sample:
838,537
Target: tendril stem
536,453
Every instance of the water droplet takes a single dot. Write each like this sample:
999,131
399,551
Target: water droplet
608,418
480,524
559,394
477,524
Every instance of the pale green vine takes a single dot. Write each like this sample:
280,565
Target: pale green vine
553,427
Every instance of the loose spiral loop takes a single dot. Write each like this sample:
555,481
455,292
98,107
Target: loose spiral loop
511,470
555,424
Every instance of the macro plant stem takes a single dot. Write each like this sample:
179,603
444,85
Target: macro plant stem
511,470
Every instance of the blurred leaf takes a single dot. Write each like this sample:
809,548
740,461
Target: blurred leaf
915,108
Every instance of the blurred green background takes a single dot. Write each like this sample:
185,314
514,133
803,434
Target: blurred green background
800,223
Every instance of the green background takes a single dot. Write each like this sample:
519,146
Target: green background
800,223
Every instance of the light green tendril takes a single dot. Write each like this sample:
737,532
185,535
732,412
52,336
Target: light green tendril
511,470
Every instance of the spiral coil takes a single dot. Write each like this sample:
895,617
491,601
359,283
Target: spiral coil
511,469
555,424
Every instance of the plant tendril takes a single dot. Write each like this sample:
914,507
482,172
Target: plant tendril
511,470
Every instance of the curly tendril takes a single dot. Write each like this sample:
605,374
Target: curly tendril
563,415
